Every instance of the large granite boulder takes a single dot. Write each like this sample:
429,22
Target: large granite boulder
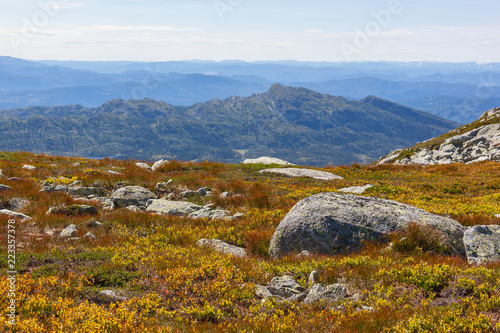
482,243
296,172
131,196
330,223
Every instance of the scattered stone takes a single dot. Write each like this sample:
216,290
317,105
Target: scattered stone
57,188
209,214
313,278
327,294
482,244
262,292
29,167
222,247
266,160
164,185
131,196
15,215
49,231
4,187
158,164
73,210
168,207
14,179
85,191
285,286
295,172
112,295
336,222
94,224
17,203
89,235
225,195
304,254
143,166
355,189
204,191
112,172
70,231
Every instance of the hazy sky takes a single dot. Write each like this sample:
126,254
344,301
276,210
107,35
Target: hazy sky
319,30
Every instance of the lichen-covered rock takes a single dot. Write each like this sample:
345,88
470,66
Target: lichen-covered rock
285,286
266,160
327,294
296,172
169,207
482,244
336,222
17,204
73,210
131,196
223,247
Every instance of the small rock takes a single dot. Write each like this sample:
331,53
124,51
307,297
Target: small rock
328,294
111,294
15,215
313,278
134,209
14,179
286,286
222,247
4,187
1,173
73,210
206,213
111,172
497,216
189,193
70,231
89,235
304,254
76,164
85,191
262,292
355,189
57,188
164,185
131,196
158,164
49,231
225,195
266,160
17,203
238,215
94,224
294,172
143,166
168,207
29,167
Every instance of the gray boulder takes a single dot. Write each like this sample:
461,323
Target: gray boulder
70,231
285,286
336,222
295,172
482,244
169,207
222,247
266,160
131,196
327,294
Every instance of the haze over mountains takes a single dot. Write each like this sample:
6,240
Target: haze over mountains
456,91
296,124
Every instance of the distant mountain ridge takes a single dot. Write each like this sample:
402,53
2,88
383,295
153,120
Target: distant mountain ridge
296,124
460,92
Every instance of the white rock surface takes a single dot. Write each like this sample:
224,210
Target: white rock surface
295,172
266,160
355,189
158,164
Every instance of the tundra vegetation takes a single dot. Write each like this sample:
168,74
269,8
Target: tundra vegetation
161,281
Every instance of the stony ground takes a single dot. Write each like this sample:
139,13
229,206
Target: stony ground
124,268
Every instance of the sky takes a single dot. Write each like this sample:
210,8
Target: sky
251,30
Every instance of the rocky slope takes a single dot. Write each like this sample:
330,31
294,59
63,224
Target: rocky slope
474,142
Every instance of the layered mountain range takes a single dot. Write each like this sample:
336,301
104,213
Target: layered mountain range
296,124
